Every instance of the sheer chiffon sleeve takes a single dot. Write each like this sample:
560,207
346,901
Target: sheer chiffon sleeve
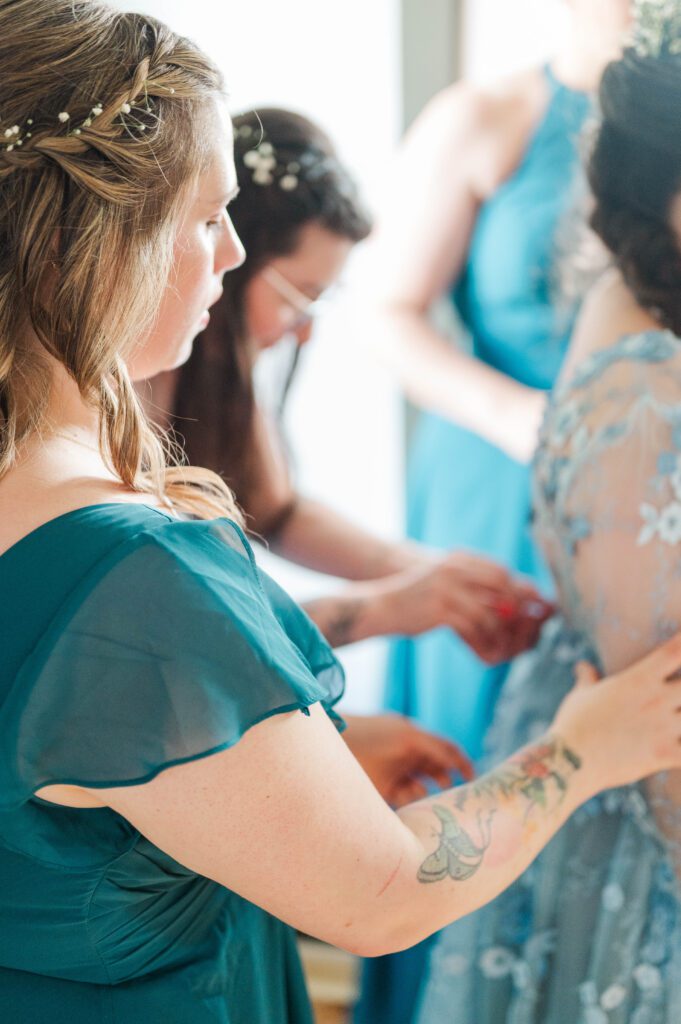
169,650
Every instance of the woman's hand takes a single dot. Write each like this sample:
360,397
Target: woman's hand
496,616
399,757
627,726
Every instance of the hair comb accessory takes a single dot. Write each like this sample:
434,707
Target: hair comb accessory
657,28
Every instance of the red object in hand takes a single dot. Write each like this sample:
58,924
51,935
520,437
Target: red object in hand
506,609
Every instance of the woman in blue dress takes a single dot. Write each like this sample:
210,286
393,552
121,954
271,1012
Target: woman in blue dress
490,176
592,933
174,796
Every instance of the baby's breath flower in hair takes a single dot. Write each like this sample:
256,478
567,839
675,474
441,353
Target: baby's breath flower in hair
657,28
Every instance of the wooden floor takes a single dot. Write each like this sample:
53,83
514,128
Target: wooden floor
331,980
330,1015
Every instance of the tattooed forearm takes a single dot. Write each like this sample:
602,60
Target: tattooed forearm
539,773
533,781
337,618
458,856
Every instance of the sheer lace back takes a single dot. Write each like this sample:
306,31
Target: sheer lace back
591,933
608,510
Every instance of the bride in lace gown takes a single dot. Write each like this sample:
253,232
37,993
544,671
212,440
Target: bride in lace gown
591,934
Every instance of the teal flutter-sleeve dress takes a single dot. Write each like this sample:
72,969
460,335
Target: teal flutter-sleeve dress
132,642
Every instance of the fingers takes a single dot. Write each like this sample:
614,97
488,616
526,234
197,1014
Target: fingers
458,760
664,662
425,759
479,626
439,757
479,571
586,674
407,791
480,615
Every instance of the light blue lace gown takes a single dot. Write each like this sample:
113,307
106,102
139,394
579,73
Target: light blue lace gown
591,934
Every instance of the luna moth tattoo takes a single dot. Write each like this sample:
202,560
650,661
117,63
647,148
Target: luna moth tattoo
457,856
540,774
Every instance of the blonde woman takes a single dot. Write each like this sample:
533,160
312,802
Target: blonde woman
173,794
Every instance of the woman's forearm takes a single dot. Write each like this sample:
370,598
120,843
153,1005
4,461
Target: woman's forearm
319,538
355,613
470,843
438,377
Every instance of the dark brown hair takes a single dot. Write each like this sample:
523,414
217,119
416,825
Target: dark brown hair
635,176
214,403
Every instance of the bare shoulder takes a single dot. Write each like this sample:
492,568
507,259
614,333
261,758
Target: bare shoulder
50,485
486,126
483,107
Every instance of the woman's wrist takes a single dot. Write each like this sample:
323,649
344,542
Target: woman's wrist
347,617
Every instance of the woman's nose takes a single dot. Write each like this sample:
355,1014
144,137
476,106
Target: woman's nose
230,253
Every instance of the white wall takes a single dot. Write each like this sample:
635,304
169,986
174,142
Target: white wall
502,36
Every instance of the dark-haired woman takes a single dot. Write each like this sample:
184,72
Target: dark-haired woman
298,216
591,934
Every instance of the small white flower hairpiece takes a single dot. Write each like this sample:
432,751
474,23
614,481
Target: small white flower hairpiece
266,166
15,136
657,28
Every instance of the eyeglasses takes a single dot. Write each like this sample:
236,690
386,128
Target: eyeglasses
306,308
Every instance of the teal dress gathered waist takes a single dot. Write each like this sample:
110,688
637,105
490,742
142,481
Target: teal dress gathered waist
463,493
132,642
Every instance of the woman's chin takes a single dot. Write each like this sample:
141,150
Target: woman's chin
182,354
182,357
149,362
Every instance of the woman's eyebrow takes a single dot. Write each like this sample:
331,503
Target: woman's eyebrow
225,198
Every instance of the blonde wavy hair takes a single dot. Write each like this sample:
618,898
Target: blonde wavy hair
98,207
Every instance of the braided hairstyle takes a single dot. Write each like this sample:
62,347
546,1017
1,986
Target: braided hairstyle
105,121
299,181
635,175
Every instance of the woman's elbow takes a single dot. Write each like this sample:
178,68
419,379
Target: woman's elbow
381,936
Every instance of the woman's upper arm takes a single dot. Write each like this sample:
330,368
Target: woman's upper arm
422,235
286,818
433,194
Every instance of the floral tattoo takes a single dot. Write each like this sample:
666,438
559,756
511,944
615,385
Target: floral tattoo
540,774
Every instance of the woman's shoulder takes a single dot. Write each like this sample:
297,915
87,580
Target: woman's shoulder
165,647
485,106
486,125
128,560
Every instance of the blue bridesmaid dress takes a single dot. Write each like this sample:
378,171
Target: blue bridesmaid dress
463,492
